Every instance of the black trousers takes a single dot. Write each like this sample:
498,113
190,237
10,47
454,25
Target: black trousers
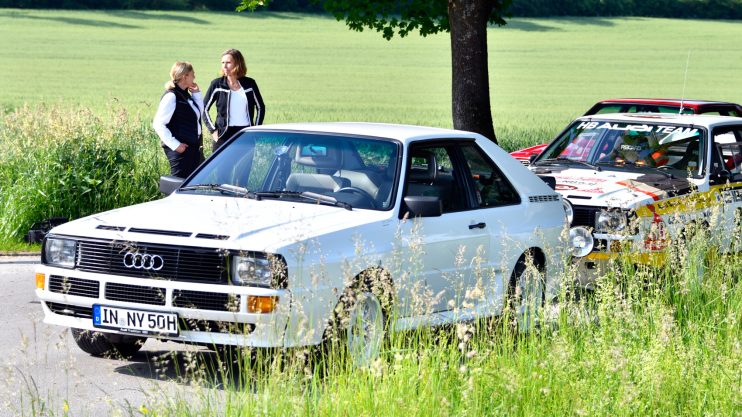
183,164
231,130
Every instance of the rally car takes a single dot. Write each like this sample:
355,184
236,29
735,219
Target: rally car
644,105
637,182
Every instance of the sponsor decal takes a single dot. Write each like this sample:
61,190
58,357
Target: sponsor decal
730,196
680,130
643,188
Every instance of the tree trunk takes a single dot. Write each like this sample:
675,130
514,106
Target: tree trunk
470,75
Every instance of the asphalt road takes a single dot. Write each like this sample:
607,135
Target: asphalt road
43,372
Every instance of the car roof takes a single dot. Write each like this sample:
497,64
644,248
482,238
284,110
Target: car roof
399,132
671,118
690,103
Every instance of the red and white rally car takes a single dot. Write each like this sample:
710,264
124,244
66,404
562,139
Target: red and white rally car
638,182
645,105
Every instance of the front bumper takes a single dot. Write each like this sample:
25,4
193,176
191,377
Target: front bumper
68,296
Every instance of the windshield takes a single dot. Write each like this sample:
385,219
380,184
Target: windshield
358,172
676,150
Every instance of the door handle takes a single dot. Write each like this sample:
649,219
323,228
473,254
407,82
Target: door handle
480,225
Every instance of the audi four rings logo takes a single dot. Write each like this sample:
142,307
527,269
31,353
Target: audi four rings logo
144,261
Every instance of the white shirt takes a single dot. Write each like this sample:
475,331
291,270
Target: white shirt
238,108
165,113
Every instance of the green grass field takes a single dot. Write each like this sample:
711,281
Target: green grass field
543,71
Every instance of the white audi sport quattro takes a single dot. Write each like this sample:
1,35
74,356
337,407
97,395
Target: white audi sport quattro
290,232
636,183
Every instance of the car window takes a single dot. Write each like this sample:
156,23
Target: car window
610,108
357,171
728,147
629,146
491,186
430,172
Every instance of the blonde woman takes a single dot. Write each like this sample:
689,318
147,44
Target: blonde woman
178,120
237,98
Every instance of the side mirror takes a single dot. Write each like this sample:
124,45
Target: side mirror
169,183
721,177
550,181
423,206
532,158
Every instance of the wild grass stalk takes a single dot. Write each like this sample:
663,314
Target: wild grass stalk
71,163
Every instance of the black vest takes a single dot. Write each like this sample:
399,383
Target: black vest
184,122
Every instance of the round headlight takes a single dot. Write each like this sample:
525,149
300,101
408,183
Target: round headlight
611,221
568,211
581,241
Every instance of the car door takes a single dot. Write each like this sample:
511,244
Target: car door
726,170
509,226
441,255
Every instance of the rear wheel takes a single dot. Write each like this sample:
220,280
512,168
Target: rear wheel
526,294
100,344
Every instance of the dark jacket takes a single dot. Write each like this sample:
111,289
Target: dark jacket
184,122
218,93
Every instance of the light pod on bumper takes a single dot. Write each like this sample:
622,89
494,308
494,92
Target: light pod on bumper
581,241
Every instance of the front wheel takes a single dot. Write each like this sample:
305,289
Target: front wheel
100,344
365,331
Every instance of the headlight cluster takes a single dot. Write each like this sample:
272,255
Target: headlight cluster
611,221
259,270
60,252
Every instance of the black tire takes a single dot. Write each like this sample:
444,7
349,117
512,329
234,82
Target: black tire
526,293
100,344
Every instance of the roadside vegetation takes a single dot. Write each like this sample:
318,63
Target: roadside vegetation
644,343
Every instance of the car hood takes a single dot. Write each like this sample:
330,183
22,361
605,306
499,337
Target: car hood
220,222
608,188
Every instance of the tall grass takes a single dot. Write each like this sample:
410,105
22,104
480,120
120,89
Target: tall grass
71,163
646,343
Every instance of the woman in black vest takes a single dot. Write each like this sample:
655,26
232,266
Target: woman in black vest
178,120
237,98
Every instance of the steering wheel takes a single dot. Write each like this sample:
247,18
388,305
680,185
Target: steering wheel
362,193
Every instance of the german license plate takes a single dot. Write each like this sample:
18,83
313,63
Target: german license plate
135,321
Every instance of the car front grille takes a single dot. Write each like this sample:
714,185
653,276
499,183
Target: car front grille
74,286
179,263
584,216
206,300
135,294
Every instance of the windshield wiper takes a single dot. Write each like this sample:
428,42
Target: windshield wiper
319,198
553,161
660,171
222,188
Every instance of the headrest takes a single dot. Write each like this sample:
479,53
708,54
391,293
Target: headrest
420,173
318,155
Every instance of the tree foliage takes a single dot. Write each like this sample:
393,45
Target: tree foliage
392,16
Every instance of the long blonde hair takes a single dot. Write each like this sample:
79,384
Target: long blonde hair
179,70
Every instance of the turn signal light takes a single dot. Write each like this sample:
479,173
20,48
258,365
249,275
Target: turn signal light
261,304
40,279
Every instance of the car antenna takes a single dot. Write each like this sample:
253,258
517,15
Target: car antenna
685,80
